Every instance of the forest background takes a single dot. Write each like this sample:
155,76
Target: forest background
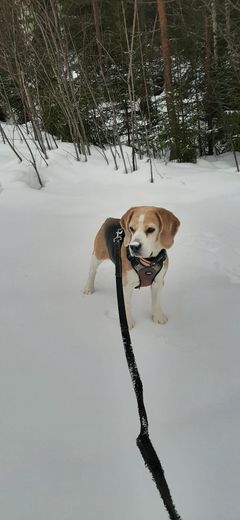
162,76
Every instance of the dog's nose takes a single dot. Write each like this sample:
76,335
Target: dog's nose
135,247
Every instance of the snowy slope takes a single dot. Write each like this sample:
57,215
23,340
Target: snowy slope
68,413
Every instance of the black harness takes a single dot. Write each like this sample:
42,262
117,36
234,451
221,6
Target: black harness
146,268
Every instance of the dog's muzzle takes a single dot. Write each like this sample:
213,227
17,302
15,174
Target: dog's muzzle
135,248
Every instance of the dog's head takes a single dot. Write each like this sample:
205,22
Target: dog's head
148,230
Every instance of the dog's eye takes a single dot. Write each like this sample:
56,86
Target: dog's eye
150,230
131,229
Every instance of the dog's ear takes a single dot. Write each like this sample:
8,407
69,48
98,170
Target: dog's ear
169,225
124,222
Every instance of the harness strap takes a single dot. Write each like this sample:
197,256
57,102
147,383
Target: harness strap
147,269
143,441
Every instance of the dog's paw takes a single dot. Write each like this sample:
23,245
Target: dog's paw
160,318
88,290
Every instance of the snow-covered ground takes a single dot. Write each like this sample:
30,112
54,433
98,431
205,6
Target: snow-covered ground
68,412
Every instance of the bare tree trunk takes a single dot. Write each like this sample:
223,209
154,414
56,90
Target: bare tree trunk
214,30
143,64
208,66
97,22
165,45
127,122
228,24
198,117
130,81
161,5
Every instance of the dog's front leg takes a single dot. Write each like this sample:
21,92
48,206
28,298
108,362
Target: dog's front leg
130,280
127,292
158,315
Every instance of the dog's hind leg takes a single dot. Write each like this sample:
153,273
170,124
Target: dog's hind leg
100,253
95,262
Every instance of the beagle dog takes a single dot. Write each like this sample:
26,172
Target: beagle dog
148,232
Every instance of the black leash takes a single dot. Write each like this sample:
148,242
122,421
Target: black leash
143,441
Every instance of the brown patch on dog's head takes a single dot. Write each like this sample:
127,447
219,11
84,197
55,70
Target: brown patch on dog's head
169,225
124,222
